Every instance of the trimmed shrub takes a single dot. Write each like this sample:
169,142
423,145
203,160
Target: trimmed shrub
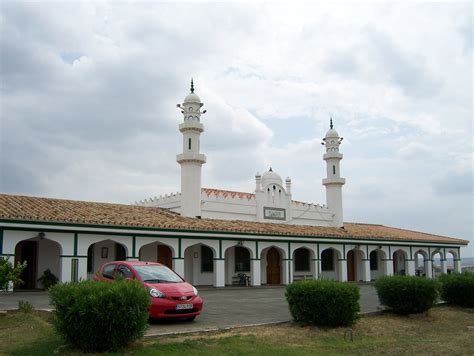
100,316
48,279
407,294
323,302
458,289
25,306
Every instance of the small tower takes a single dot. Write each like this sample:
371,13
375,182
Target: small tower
191,160
333,182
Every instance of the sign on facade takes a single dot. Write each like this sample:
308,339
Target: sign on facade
274,213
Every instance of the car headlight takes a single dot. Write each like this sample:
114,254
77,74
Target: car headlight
155,293
195,291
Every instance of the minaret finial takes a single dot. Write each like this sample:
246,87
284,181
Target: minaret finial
330,123
192,86
271,170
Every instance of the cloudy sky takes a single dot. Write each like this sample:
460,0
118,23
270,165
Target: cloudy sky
89,93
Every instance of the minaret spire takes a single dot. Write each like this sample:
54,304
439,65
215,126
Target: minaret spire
330,124
192,86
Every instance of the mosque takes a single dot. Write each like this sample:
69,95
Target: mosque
217,237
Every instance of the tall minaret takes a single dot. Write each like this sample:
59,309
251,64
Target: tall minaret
333,182
191,160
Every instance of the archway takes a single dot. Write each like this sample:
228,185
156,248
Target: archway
199,264
422,264
40,254
377,265
302,266
273,270
438,263
104,251
453,261
156,252
238,265
399,262
329,264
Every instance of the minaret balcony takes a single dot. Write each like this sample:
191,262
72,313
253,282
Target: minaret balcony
191,157
332,155
191,126
334,181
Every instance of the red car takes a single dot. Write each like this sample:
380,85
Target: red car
171,296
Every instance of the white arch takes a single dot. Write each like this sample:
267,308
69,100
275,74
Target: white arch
284,278
145,241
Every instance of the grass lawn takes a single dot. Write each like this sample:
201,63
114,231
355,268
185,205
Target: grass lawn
442,330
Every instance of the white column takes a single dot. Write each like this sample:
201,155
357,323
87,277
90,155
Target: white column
342,270
428,267
366,270
82,268
457,265
178,266
388,267
290,268
66,269
255,278
316,268
410,264
444,266
219,273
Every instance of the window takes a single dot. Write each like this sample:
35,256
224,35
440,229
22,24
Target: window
207,259
189,144
242,259
374,261
108,271
333,169
302,260
125,271
327,260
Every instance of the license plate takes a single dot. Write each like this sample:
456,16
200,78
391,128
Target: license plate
184,306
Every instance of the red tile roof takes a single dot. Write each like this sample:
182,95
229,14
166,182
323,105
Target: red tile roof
34,209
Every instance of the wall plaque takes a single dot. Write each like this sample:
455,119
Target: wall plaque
274,213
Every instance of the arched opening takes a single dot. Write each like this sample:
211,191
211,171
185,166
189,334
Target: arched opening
377,265
156,252
104,251
438,263
354,265
40,254
238,267
303,268
329,264
399,263
199,265
273,266
453,262
421,263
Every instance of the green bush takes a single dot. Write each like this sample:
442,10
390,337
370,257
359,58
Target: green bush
25,306
100,316
323,302
48,279
407,294
458,289
10,273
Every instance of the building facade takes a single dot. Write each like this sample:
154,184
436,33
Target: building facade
217,237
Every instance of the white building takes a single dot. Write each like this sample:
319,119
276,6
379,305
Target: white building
216,237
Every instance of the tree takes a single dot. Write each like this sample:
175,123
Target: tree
10,273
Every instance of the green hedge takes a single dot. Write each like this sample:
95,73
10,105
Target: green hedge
407,294
458,289
100,316
322,302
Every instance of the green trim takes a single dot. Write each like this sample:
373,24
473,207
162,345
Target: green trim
177,258
289,250
316,259
220,248
134,245
257,254
219,259
409,259
344,250
367,250
390,251
287,259
179,247
317,247
411,252
365,259
342,259
387,259
8,254
119,227
75,243
255,259
1,241
74,270
71,256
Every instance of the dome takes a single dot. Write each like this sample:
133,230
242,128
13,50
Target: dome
271,177
192,98
332,134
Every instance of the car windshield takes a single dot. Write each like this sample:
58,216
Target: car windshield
157,274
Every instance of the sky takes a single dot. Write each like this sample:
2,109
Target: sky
89,93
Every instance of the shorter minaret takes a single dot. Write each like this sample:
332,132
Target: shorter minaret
191,160
333,182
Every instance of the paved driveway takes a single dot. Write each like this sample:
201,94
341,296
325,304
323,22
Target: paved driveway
223,308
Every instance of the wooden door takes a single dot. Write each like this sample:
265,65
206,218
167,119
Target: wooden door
164,255
27,251
273,266
350,266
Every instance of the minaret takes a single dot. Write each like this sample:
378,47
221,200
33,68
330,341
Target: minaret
333,182
191,160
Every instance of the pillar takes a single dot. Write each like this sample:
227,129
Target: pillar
343,270
410,267
444,266
219,273
388,267
366,270
428,267
457,265
316,268
178,266
290,268
255,279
